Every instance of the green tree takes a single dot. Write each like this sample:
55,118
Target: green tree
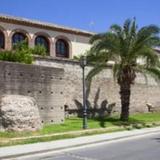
132,50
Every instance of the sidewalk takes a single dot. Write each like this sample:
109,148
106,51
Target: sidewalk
28,149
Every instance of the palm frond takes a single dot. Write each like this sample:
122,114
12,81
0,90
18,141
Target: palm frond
116,70
141,69
133,31
101,57
126,27
154,41
154,72
115,29
108,44
97,37
96,69
119,37
149,56
147,32
93,72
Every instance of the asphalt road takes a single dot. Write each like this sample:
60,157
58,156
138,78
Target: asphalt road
140,148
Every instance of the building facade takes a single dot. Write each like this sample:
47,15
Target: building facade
59,41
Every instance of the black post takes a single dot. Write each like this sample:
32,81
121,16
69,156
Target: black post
84,102
83,63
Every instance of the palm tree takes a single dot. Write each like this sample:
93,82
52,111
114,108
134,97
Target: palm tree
132,50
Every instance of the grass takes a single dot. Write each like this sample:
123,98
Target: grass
71,124
75,124
53,137
146,117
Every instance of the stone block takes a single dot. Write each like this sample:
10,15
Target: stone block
19,113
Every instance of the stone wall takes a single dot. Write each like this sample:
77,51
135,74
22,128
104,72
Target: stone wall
57,84
45,84
103,87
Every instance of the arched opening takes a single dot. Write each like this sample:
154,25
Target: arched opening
62,48
43,41
2,40
19,37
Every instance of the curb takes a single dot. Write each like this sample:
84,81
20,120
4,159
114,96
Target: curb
64,133
31,149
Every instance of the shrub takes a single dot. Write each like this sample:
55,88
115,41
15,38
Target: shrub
20,53
39,50
22,56
23,45
7,56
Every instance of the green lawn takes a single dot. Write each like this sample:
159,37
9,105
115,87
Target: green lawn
147,117
75,124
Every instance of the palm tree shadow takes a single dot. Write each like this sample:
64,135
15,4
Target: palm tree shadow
79,107
103,114
115,121
95,104
96,111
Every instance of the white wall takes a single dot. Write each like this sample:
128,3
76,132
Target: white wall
79,44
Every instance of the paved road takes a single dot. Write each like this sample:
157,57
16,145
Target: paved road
141,148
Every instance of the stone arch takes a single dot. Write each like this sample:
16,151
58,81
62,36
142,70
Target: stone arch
5,37
47,36
20,31
65,39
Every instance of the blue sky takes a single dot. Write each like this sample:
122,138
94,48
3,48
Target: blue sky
92,15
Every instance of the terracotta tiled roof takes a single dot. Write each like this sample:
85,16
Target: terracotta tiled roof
45,25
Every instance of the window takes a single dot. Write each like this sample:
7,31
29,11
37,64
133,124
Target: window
18,37
62,48
41,40
1,40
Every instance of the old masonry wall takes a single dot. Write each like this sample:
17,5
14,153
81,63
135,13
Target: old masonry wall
103,87
56,84
45,84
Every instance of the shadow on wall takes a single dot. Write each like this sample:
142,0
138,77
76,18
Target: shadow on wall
94,110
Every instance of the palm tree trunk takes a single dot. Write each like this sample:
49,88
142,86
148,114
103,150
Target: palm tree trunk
125,92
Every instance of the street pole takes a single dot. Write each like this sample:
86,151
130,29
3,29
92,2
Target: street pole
83,63
84,102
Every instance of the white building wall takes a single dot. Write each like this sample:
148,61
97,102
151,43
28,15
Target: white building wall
79,44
